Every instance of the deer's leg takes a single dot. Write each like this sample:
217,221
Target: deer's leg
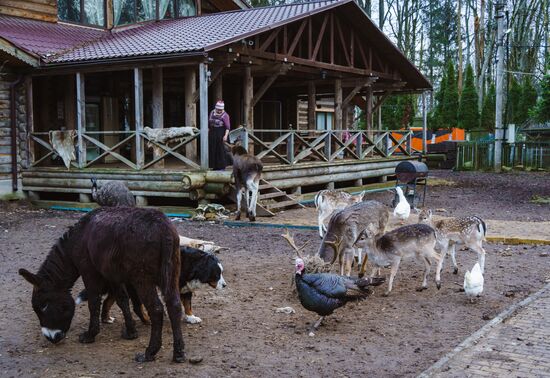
373,272
427,266
453,257
254,186
321,221
393,272
348,260
439,258
480,256
363,267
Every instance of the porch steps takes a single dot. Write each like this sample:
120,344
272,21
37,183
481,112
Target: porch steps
272,198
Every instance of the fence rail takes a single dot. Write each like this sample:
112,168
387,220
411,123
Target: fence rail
280,146
520,155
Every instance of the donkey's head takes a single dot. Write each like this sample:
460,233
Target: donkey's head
53,306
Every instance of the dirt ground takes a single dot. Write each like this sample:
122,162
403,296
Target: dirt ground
241,335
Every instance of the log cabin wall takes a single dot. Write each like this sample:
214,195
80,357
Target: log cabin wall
5,125
45,10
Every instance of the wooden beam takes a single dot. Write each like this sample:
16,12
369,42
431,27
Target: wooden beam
270,39
354,91
381,100
213,76
138,115
311,105
338,104
248,96
369,113
343,41
218,88
285,40
267,84
313,56
310,37
189,86
297,37
203,113
81,118
363,56
352,49
332,38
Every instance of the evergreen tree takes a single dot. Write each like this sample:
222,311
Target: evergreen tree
489,109
449,108
527,100
468,114
434,118
513,102
541,111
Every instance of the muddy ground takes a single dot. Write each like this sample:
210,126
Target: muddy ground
241,335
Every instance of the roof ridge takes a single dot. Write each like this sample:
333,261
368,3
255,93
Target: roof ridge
273,6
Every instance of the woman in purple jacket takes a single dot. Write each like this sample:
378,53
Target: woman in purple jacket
218,130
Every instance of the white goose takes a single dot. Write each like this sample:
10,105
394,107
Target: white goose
473,282
403,208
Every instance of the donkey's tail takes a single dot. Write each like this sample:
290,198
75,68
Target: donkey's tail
170,264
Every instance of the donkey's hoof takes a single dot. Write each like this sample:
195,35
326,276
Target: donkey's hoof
179,357
455,271
252,218
143,357
108,320
86,338
421,288
129,335
438,285
386,294
238,216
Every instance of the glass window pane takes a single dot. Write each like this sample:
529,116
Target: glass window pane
166,9
321,121
186,8
146,10
329,120
124,11
69,10
94,12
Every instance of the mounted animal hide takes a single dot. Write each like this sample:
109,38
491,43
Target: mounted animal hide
168,135
63,144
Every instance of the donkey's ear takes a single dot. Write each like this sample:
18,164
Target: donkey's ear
31,278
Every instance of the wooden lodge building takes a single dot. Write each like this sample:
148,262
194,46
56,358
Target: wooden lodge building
83,82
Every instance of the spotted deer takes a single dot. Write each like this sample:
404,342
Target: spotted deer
344,228
329,202
387,250
468,231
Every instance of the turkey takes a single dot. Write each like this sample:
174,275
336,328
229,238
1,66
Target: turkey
323,293
402,209
112,193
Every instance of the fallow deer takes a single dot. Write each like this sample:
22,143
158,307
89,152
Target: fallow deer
328,202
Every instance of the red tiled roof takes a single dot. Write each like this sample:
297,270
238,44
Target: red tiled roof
190,34
45,39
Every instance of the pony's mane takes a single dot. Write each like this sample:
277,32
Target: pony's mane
58,268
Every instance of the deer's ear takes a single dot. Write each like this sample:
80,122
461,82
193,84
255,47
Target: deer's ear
31,278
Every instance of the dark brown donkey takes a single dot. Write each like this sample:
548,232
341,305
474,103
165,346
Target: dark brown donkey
247,171
110,247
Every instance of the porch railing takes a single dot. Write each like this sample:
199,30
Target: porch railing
297,146
273,146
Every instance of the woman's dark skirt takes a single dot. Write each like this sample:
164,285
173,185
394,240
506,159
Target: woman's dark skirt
217,155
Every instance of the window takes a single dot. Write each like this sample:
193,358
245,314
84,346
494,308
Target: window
132,11
87,12
324,120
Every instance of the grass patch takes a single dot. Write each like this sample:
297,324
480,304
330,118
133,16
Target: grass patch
540,199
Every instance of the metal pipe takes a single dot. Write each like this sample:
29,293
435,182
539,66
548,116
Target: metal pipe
13,118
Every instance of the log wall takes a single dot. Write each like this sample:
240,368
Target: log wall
45,10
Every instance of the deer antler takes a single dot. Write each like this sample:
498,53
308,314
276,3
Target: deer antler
336,246
290,241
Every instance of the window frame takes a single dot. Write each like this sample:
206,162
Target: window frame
104,2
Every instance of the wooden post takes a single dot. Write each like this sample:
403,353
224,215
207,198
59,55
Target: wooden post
190,84
203,113
424,125
290,148
30,119
218,88
158,105
368,112
138,115
248,95
81,118
338,104
311,105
